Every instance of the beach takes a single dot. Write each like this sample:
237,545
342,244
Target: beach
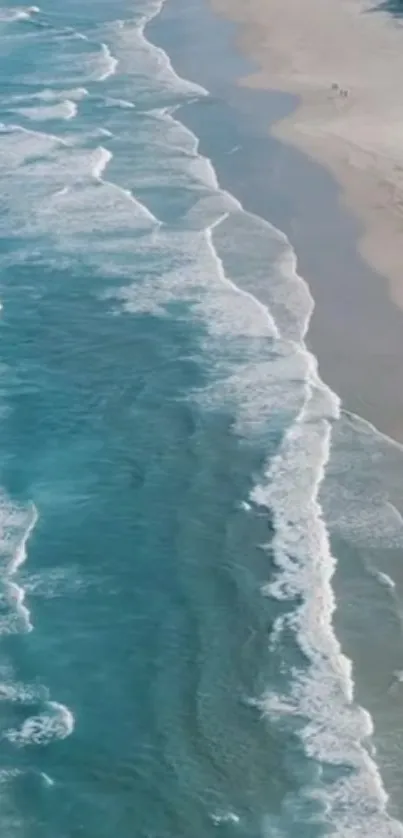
343,61
201,584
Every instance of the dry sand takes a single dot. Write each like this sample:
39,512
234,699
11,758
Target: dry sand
344,58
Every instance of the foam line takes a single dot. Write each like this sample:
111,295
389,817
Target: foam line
9,15
14,594
305,567
111,63
66,109
21,551
372,429
102,157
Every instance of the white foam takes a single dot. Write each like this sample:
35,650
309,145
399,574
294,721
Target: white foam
385,579
226,310
88,210
258,362
21,146
17,528
110,62
363,476
20,554
371,431
334,728
199,165
20,693
101,158
46,779
145,64
258,256
245,506
8,15
55,722
49,96
56,582
323,694
20,621
111,102
337,728
76,94
79,59
66,109
175,134
172,157
225,817
16,524
60,190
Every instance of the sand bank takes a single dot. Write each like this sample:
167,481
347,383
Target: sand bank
344,58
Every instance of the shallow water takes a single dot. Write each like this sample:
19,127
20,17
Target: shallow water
168,662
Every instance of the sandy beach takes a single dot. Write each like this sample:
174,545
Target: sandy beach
345,61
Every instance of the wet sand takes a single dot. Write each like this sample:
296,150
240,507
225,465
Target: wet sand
356,330
344,58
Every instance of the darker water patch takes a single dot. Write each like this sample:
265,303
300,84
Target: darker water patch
392,7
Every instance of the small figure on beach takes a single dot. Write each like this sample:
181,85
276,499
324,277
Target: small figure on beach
342,91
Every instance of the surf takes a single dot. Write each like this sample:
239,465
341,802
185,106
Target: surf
148,252
338,729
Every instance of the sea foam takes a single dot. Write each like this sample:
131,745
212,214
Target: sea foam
66,109
111,63
8,15
333,728
258,365
55,722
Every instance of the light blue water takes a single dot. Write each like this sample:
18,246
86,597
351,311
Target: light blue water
167,657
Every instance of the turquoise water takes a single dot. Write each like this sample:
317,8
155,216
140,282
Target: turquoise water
168,661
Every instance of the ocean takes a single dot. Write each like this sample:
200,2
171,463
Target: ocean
201,591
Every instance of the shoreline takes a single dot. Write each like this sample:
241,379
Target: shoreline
356,329
342,60
352,341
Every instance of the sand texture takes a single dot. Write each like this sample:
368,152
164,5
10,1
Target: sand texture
344,58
